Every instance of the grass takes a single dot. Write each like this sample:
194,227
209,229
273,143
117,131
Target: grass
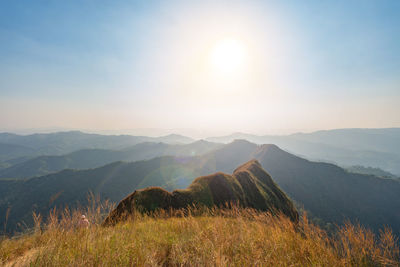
195,237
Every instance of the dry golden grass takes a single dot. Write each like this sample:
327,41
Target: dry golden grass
196,237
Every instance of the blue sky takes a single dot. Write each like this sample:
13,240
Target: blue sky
135,64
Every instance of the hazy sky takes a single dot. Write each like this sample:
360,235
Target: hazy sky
250,66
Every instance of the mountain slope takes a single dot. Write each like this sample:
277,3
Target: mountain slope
331,193
249,186
10,151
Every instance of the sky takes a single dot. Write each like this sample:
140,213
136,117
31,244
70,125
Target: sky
213,66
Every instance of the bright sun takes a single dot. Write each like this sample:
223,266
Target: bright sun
228,56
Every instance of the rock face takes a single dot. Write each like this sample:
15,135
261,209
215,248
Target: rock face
249,186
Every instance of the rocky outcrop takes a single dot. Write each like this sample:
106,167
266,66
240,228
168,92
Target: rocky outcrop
249,186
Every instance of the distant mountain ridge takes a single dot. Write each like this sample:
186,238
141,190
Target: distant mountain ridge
93,158
379,139
66,142
248,186
371,171
379,148
376,148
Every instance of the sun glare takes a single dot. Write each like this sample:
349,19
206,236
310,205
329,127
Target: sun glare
228,56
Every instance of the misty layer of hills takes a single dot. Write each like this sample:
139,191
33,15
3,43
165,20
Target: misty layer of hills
32,155
13,146
92,158
325,190
378,148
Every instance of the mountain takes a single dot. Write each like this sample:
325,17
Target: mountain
332,194
377,148
66,142
325,190
93,158
248,186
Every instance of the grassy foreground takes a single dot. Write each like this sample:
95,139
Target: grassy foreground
214,237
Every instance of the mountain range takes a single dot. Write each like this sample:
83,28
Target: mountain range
93,158
13,145
323,189
375,148
378,148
